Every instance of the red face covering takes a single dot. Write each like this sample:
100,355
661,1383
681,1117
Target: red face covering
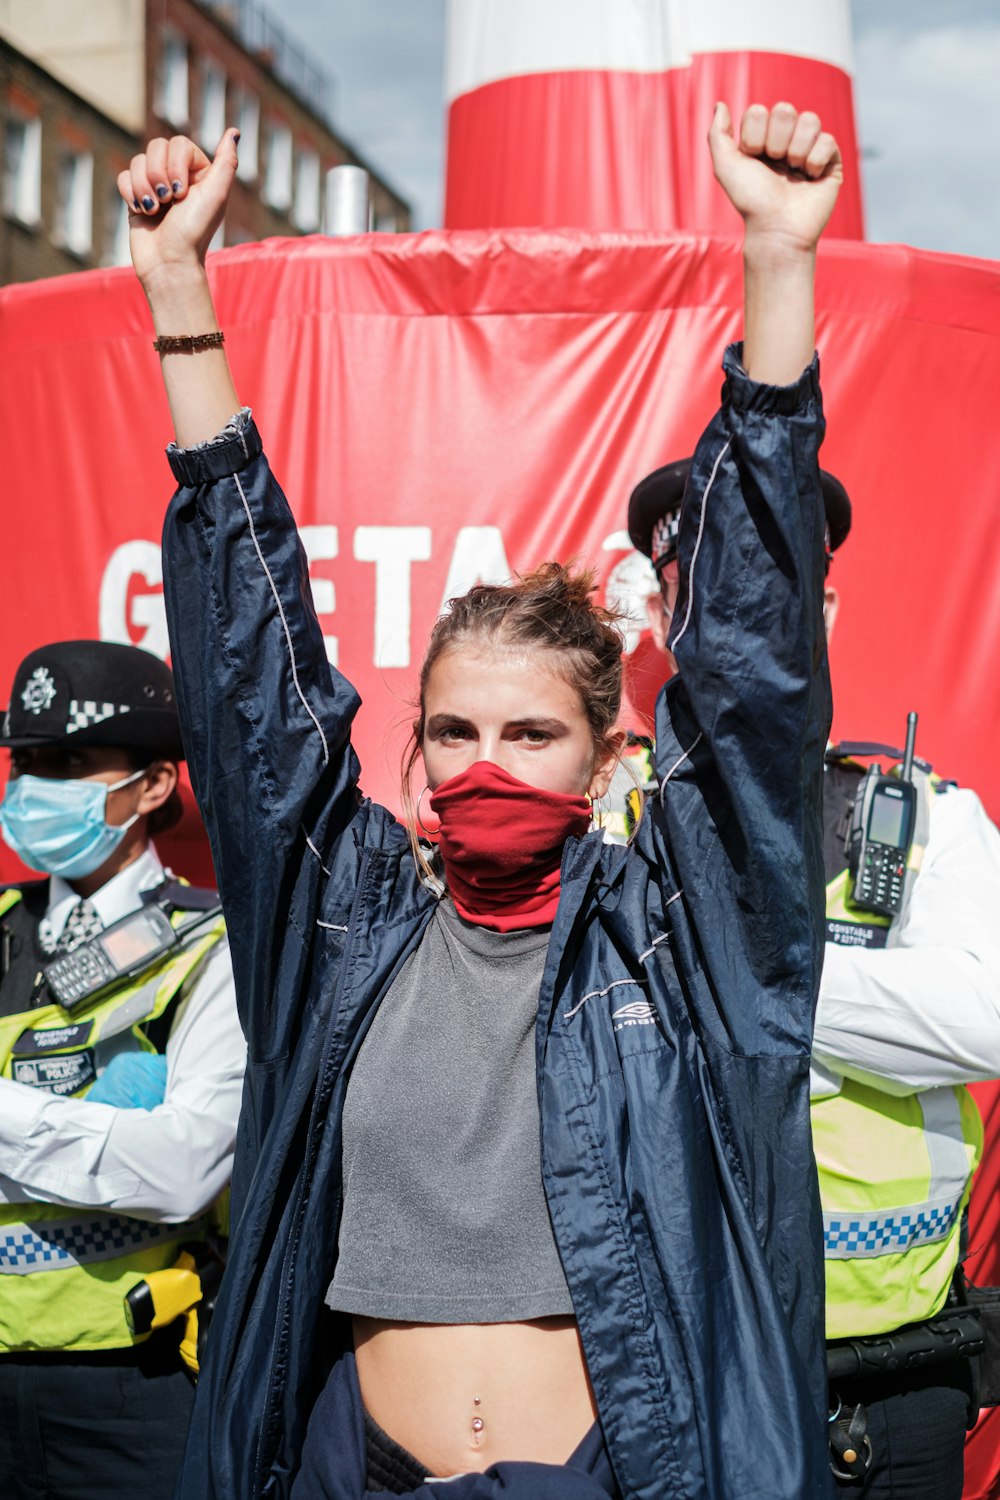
501,842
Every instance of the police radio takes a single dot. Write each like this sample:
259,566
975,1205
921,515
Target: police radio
124,950
883,821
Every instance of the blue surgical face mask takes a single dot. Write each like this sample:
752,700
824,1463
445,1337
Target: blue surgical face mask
60,826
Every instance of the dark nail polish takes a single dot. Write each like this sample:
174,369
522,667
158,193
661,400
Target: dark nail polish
135,204
175,187
162,191
236,138
148,203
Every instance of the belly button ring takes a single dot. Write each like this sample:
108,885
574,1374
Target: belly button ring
477,1422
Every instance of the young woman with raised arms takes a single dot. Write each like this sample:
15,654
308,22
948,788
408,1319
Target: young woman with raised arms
524,1198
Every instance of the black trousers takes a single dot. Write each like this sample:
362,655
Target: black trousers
917,1424
93,1426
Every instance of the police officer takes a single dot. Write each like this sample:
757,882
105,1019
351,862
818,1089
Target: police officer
908,1014
120,1082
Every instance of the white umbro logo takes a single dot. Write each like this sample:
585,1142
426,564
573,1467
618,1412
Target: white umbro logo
636,1013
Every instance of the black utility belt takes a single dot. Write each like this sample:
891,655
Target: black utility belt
159,1349
970,1331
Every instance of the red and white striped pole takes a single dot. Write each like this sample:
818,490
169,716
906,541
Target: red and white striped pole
593,113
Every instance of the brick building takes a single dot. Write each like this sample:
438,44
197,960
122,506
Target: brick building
83,86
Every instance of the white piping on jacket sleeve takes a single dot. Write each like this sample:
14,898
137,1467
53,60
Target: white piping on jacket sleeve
697,546
284,622
676,765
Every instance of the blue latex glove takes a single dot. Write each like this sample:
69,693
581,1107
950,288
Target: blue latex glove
132,1080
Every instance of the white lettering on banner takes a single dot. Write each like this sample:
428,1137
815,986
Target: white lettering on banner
630,584
321,545
392,549
479,557
116,622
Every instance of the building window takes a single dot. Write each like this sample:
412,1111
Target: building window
306,209
278,167
116,251
212,120
22,170
74,221
172,95
248,124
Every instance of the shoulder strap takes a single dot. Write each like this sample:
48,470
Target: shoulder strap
177,895
848,748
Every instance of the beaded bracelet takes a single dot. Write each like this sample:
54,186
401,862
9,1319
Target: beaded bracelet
188,343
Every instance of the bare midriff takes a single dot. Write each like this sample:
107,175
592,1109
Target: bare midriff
464,1396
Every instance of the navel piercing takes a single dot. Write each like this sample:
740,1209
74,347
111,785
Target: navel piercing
477,1422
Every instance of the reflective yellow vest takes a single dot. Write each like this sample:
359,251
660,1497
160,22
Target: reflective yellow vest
894,1171
64,1271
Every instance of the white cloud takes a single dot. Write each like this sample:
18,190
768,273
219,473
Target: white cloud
926,111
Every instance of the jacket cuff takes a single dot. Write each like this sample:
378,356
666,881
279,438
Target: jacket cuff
746,395
235,447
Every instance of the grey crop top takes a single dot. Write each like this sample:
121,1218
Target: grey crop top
444,1217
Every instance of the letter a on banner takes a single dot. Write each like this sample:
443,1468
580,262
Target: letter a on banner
593,113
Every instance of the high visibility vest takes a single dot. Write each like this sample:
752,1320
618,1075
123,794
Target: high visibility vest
64,1271
894,1171
618,812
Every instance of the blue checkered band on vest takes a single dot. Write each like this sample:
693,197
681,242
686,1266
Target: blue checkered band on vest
59,1245
887,1234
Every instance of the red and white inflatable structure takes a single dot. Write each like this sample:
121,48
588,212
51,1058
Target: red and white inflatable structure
593,113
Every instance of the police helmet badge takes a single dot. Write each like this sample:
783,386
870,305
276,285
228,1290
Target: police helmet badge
39,691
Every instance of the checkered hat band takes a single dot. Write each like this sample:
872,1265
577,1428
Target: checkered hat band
663,542
84,712
849,1238
58,1246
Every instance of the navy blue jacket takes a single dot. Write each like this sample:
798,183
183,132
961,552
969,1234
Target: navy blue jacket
675,1012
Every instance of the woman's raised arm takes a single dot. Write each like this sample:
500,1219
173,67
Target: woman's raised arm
742,729
266,719
176,198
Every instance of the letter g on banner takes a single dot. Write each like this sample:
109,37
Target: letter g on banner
134,617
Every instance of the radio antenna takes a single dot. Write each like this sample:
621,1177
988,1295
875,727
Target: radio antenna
911,738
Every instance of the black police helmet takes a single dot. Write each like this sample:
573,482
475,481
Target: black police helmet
661,492
93,693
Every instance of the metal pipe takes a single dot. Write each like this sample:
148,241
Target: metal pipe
348,197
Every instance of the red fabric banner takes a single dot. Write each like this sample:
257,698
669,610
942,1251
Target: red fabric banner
446,407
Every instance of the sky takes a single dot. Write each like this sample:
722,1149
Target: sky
925,85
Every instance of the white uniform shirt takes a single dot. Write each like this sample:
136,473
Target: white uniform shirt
925,1012
167,1163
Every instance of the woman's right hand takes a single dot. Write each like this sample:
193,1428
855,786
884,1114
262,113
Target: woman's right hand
176,198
